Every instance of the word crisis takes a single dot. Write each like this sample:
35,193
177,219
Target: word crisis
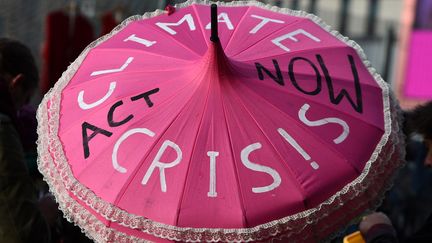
244,155
89,131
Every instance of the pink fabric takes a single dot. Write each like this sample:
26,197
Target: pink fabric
418,76
208,99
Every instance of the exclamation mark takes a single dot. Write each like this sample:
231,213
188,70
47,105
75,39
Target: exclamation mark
297,147
212,190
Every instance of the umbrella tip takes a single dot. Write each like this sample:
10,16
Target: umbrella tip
170,9
214,23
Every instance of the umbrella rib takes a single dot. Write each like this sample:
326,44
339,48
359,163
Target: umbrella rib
298,185
237,26
234,164
192,154
194,7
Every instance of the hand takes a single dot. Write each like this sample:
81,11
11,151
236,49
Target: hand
373,219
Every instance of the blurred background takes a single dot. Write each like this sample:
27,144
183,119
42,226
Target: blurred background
374,24
395,35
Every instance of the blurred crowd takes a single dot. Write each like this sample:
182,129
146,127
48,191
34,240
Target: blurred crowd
28,212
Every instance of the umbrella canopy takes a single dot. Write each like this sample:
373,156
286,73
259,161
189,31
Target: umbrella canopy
165,130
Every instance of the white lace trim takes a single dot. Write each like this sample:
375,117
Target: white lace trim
311,224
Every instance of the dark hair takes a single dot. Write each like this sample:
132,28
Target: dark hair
16,58
419,120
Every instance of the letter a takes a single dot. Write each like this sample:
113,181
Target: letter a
86,138
222,18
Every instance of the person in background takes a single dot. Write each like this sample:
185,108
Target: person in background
21,214
377,227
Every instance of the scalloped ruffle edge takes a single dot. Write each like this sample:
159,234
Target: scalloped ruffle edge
362,194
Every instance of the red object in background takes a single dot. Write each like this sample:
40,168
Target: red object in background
112,18
170,9
64,41
108,23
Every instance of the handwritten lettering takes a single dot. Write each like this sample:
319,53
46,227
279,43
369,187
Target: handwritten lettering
334,98
86,138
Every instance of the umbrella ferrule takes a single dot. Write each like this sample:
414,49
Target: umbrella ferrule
214,23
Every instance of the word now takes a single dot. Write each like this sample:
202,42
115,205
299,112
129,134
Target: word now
277,76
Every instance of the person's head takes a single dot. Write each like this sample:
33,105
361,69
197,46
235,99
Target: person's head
19,75
419,121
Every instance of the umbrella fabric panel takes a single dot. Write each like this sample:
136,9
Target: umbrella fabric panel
229,19
296,37
182,27
109,64
256,25
145,37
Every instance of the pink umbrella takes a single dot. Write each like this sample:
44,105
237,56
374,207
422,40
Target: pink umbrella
269,126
